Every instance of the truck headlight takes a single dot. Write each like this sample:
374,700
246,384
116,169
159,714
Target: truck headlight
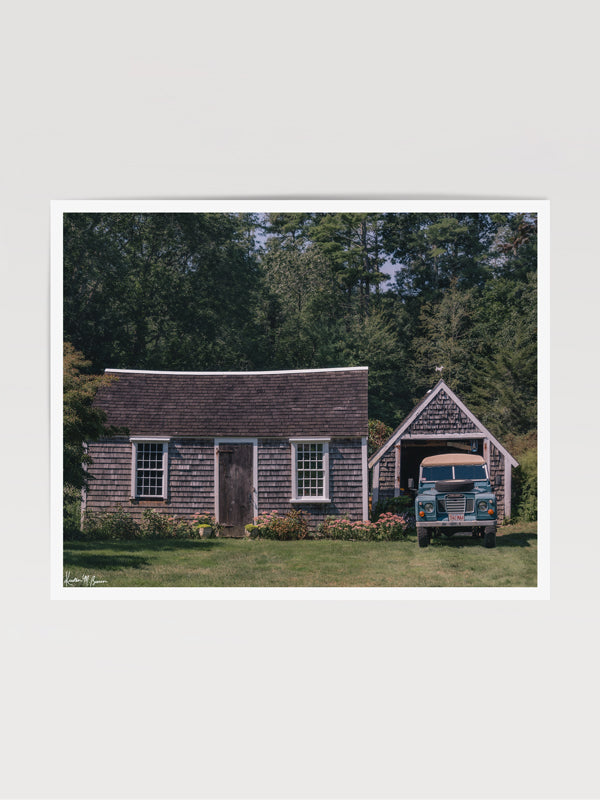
428,508
482,505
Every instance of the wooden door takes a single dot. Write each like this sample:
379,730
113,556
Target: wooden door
235,487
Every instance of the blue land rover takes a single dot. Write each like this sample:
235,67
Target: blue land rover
455,494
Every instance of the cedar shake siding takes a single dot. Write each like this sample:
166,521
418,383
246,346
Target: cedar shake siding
442,416
206,422
274,475
387,467
440,423
497,479
190,481
345,480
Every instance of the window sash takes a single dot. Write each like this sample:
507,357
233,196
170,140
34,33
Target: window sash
149,469
310,470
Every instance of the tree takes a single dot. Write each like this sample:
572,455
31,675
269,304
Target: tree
379,433
161,291
435,250
352,244
505,394
81,420
446,347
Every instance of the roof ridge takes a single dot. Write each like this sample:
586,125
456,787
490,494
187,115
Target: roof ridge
249,372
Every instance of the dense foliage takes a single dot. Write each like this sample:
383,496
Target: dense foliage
273,525
119,525
415,297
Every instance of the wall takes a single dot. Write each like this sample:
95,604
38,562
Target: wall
497,479
345,480
191,477
441,415
387,467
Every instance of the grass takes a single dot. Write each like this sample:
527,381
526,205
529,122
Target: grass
459,561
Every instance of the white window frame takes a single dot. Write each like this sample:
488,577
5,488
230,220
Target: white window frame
137,440
324,498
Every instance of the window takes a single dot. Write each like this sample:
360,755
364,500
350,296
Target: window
149,472
310,471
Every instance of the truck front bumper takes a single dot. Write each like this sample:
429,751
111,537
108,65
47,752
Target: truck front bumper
468,523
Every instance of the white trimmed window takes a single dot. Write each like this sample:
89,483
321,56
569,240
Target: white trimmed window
310,470
150,468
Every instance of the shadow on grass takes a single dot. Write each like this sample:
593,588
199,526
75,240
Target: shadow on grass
502,540
105,561
142,545
129,555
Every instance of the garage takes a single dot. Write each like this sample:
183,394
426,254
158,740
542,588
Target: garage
440,423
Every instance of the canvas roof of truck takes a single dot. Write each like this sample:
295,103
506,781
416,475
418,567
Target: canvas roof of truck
450,459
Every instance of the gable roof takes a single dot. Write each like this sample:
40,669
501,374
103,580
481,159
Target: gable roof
302,403
418,410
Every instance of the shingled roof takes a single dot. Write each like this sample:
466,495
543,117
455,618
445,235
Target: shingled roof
303,403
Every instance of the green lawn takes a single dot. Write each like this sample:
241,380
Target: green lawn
459,561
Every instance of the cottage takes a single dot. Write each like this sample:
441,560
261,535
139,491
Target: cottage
233,444
440,423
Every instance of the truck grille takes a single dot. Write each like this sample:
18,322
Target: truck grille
455,503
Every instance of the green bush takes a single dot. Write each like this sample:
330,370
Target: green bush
119,524
525,486
162,526
270,525
71,513
114,525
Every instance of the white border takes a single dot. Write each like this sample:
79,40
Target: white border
539,207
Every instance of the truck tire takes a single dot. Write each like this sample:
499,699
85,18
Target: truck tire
454,486
422,536
489,537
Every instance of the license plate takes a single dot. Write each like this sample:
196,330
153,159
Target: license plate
456,517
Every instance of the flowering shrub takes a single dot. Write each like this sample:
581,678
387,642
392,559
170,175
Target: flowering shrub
389,527
162,526
403,504
270,525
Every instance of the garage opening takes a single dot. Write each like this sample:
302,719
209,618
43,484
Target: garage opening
413,452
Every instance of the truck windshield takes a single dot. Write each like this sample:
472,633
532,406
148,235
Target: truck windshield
471,472
437,473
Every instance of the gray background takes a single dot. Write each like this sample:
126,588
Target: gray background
311,697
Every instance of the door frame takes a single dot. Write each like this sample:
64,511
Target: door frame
237,440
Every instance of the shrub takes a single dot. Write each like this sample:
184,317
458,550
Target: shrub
119,524
525,486
115,525
404,505
379,433
271,525
71,513
389,527
162,526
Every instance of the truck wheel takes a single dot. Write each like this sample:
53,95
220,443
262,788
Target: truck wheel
489,537
422,536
